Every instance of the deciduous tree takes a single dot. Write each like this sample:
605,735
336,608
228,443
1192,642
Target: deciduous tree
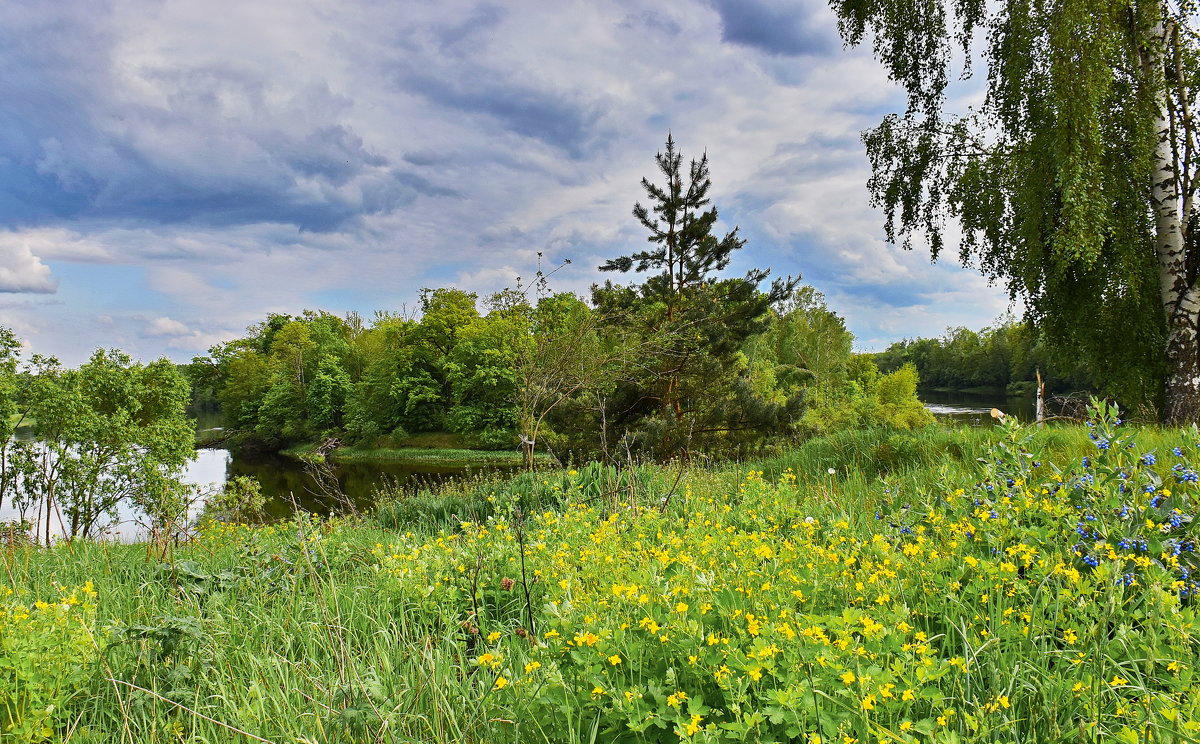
9,416
1074,180
110,432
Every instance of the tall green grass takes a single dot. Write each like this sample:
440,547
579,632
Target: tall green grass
286,633
277,633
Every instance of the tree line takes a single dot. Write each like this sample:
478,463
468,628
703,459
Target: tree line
681,358
554,372
1005,357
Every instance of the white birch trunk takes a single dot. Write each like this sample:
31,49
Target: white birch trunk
1180,301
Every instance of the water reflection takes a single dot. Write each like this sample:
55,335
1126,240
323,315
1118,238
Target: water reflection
288,483
207,472
974,409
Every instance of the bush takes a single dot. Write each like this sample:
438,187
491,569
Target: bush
241,500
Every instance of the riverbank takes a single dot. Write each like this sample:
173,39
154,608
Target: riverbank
411,455
876,585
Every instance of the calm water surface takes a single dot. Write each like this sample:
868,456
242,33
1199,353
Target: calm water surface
286,483
207,472
971,409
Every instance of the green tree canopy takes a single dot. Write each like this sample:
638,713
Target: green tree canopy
1073,181
10,415
110,432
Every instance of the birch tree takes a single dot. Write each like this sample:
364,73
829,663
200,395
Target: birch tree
1074,181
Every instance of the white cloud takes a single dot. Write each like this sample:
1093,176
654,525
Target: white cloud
22,271
218,162
165,326
57,244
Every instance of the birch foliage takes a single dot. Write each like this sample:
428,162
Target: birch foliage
1073,181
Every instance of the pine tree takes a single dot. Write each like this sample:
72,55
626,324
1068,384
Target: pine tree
700,319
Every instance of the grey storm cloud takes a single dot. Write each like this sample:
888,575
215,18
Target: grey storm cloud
522,108
219,148
654,21
482,17
784,27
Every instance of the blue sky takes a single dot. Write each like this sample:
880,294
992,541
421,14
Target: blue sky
171,172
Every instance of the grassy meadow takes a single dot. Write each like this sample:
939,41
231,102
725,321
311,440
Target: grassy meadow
938,586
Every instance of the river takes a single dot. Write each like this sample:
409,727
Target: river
287,483
974,409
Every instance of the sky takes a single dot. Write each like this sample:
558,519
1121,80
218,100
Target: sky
173,171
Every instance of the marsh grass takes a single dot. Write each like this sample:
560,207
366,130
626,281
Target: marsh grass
415,455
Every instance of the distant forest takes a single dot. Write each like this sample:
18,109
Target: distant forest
1006,357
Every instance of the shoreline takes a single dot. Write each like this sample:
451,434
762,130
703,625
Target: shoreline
411,455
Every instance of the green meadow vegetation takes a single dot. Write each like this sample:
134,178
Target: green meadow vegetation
408,454
1012,584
